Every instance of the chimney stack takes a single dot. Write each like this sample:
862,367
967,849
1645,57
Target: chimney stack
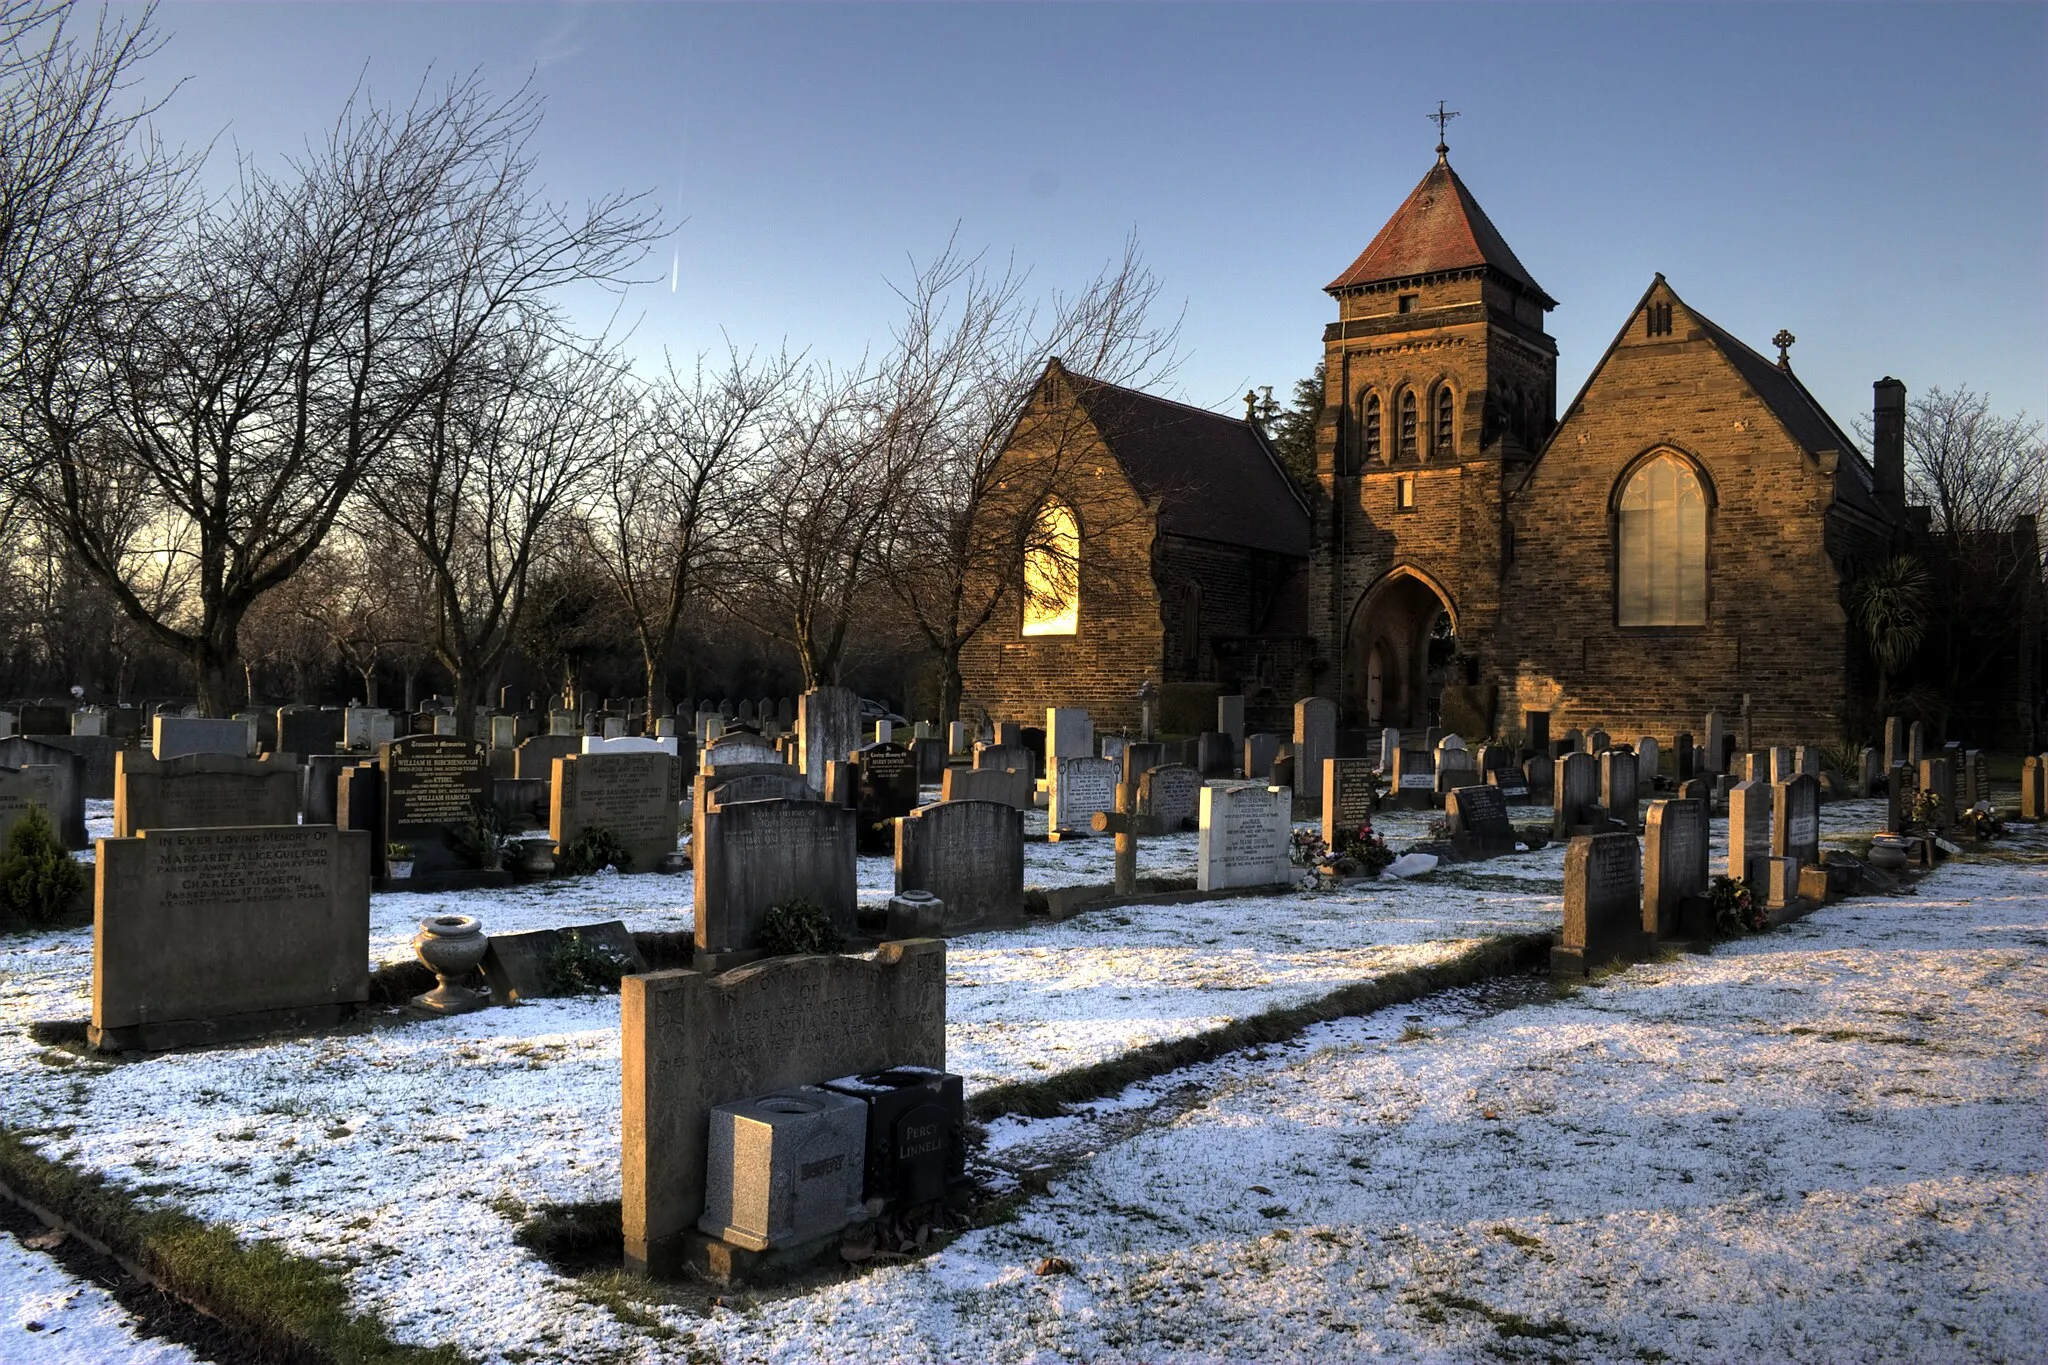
1888,440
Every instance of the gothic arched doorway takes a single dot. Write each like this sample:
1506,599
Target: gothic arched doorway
1388,674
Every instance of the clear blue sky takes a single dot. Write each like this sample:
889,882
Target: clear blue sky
1873,177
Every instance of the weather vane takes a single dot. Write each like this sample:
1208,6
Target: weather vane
1442,117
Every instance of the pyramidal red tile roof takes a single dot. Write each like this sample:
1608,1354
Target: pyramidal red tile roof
1440,227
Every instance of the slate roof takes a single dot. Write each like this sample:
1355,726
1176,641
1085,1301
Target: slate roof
1799,411
1439,227
1214,477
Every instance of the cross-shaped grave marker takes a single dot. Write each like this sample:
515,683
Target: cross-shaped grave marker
1124,825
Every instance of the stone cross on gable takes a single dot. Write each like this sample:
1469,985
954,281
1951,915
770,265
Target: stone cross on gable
1783,341
1124,825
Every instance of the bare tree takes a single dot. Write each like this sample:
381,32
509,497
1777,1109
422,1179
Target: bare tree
970,358
662,523
253,374
1984,476
813,516
481,483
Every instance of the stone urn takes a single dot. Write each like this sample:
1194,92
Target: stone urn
536,858
451,946
1888,851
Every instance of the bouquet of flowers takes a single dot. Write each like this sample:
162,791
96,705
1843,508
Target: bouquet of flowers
1367,848
1980,822
1736,908
1307,848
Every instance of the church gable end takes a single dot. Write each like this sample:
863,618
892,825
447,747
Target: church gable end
1669,546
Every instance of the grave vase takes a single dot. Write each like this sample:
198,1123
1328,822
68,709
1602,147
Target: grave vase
450,946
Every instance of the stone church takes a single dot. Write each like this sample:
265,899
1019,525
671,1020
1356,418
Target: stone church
1679,538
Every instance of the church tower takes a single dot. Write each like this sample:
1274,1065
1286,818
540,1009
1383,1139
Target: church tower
1440,384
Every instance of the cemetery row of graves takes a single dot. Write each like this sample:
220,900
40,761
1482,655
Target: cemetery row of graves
836,956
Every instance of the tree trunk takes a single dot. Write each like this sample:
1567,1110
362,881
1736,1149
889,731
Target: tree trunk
951,686
469,691
657,691
369,684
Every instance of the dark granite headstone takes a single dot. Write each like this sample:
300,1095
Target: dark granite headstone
1479,822
433,786
1602,901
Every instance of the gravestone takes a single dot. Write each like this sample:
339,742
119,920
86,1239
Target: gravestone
19,751
1894,740
1870,772
201,791
1034,744
1069,733
655,744
1749,831
534,759
88,724
1246,830
1899,792
1916,743
968,854
2033,789
1647,756
1260,749
743,746
1215,755
1795,819
885,788
1011,786
1571,742
176,736
1806,759
1315,739
1598,742
1577,796
1781,768
433,786
1080,787
1282,774
754,855
1112,747
306,730
1619,787
214,935
1602,902
528,965
1674,862
1540,773
42,719
1169,798
1479,822
1456,767
1936,776
690,1042
1414,780
359,805
1713,761
7,724
928,757
828,729
1001,756
1140,757
633,795
23,789
1349,795
365,727
1009,733
1512,783
959,738
1976,779
1682,757
1536,731
1230,719
1390,742
784,1170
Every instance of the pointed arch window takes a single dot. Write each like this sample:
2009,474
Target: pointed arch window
1372,426
1441,439
1408,425
1661,567
1052,572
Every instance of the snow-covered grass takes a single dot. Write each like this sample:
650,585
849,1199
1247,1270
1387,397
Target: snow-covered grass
51,1317
407,1153
1821,1144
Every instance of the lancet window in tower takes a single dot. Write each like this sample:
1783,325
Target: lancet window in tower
1372,426
1441,442
1408,425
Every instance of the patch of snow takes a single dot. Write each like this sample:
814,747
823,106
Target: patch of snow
49,1316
